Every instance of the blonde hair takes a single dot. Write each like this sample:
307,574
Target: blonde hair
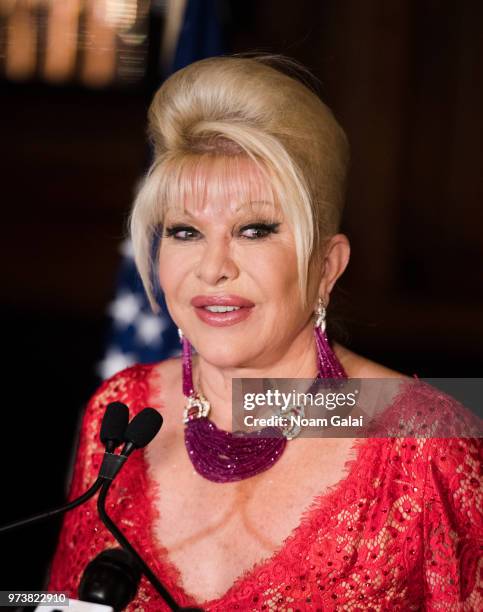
220,109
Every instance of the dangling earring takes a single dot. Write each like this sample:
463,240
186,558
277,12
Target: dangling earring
320,313
329,365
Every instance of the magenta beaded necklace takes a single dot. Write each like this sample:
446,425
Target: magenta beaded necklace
221,456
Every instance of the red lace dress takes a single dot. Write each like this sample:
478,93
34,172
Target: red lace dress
403,529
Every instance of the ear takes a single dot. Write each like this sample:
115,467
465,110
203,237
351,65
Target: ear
336,258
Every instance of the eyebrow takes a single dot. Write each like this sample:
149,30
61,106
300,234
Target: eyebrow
241,207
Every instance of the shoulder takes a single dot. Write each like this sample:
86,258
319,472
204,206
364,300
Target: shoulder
358,366
122,382
129,386
424,410
164,377
168,369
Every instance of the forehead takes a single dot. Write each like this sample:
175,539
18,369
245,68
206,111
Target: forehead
220,185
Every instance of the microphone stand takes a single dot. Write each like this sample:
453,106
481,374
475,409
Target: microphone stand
124,542
111,464
70,506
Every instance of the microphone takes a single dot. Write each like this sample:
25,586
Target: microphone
110,579
139,433
141,430
114,423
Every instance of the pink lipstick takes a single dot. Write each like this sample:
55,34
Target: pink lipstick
222,310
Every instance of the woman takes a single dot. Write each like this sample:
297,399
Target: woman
243,204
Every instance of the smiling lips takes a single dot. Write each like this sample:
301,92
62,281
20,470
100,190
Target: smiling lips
222,310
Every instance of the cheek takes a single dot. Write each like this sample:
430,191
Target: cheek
172,269
169,281
276,274
165,273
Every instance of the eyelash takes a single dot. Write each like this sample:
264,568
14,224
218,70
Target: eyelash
269,228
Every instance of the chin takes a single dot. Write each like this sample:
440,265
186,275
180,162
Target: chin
222,355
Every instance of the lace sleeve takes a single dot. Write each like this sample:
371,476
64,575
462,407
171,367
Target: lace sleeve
77,544
453,525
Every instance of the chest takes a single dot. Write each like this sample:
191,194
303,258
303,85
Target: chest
214,533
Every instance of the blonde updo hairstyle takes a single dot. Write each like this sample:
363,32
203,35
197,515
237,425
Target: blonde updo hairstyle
217,110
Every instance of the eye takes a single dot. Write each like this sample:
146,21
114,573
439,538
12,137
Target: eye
181,232
256,231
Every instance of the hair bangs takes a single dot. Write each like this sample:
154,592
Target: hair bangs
195,181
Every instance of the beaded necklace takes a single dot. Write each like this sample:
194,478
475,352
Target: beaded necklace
224,456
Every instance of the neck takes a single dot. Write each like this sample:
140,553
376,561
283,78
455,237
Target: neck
298,361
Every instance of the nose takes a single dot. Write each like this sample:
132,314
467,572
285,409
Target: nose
216,264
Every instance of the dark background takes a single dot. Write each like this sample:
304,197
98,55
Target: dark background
404,79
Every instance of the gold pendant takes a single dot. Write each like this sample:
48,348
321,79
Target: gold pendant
196,407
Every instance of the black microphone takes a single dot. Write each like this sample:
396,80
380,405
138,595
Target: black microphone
139,433
114,423
141,430
110,579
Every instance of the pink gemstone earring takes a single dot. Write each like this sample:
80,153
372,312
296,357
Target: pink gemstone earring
329,365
